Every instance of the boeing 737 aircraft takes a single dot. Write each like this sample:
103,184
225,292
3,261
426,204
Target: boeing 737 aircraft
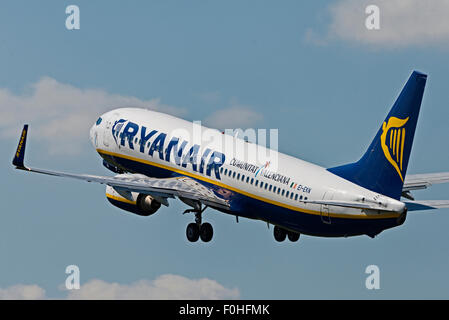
156,157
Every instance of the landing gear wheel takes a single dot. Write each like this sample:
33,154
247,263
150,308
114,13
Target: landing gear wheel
193,232
293,236
206,232
279,234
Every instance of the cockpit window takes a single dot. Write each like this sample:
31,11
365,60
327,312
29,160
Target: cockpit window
98,121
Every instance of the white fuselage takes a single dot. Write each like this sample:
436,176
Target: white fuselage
288,182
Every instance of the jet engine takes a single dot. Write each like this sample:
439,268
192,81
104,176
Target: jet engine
137,203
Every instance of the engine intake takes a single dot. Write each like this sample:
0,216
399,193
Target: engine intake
147,204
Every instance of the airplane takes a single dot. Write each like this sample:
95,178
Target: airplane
155,159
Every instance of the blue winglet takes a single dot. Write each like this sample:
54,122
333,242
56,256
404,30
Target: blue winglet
20,153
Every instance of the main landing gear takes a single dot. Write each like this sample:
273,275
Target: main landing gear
280,234
197,229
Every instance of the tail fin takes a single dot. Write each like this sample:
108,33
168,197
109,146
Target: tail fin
383,167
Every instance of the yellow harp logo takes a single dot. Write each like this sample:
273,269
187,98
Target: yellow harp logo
396,131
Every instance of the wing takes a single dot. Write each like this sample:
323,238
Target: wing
163,188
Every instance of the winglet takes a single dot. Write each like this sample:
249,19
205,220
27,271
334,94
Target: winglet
20,153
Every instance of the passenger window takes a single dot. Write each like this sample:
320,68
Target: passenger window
300,197
266,186
287,194
238,176
252,180
257,181
261,184
283,191
243,177
247,179
296,197
233,175
226,171
269,189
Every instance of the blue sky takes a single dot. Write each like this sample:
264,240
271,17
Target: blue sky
291,65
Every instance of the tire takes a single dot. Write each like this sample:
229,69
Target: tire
206,232
279,234
192,232
293,236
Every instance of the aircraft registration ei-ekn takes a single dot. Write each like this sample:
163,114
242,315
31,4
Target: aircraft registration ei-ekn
153,163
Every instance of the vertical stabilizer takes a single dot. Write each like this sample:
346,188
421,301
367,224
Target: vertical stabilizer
383,167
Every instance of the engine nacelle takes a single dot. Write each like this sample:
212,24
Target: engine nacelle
140,204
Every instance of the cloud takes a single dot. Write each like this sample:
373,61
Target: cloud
22,292
402,23
234,116
164,287
60,115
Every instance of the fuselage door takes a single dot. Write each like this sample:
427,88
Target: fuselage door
325,217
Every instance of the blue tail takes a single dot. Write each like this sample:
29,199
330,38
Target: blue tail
383,167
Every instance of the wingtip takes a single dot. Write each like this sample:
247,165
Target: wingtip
19,156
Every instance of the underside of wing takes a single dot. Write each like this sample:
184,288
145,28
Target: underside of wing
182,187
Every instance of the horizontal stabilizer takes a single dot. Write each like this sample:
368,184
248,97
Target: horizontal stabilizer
426,205
424,180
